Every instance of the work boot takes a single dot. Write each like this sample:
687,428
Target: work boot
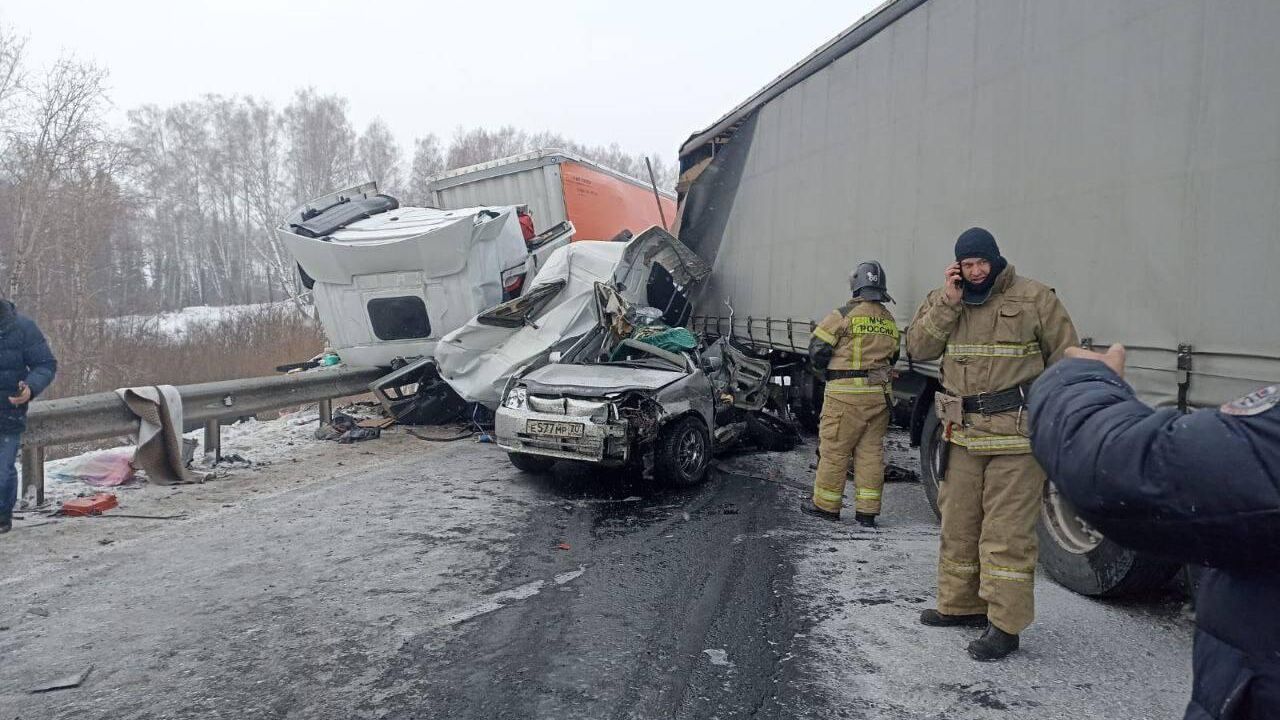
933,618
807,507
994,644
866,520
6,523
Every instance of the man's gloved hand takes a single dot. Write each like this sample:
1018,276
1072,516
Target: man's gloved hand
1112,358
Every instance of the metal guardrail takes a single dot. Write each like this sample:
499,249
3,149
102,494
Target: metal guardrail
104,415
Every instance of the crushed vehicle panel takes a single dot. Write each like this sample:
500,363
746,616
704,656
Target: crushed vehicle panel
478,359
390,281
633,391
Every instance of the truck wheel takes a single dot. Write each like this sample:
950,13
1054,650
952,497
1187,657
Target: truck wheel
682,453
932,445
810,400
771,432
535,464
1080,559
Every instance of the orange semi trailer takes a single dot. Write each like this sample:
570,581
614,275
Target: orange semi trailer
558,186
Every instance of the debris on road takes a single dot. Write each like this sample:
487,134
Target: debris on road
718,657
346,429
897,473
159,452
66,682
93,505
108,468
179,516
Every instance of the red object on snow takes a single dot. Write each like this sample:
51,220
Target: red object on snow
95,505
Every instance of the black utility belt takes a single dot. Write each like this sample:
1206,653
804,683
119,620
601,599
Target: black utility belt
997,402
846,374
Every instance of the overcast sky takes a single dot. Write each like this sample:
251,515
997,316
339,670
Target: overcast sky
643,74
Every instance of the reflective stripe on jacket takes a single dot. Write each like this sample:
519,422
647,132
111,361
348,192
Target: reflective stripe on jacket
1003,343
862,336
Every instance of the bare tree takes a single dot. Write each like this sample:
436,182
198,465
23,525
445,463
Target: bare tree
12,50
478,145
321,143
60,133
379,157
428,161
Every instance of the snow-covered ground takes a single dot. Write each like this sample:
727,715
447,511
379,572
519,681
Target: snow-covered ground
175,324
1082,658
260,442
351,580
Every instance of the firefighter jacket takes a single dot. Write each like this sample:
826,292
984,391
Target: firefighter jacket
861,336
1002,344
1200,488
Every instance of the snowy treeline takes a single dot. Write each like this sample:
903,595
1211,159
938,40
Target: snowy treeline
176,207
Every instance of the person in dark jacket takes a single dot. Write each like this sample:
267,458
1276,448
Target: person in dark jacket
27,367
1200,488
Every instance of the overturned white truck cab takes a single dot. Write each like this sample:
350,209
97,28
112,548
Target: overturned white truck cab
389,281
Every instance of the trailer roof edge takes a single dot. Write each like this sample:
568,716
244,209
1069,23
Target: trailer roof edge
861,31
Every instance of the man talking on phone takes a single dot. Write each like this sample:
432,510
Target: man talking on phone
995,332
27,367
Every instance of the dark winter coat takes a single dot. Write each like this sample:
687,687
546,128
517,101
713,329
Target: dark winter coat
1201,488
24,355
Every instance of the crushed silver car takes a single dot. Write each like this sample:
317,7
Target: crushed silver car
479,358
637,394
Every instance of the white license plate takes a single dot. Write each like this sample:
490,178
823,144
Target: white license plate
554,429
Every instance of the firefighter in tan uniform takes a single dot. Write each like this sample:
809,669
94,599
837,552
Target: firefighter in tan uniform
854,348
995,332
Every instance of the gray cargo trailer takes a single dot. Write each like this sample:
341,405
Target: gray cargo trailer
1125,153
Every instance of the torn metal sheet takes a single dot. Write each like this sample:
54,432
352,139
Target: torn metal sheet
66,682
479,359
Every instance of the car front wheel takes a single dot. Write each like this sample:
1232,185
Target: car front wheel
682,453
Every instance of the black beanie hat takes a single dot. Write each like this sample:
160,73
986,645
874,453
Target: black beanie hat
977,243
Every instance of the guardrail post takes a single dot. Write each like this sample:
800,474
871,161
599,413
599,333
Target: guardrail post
213,439
33,471
326,411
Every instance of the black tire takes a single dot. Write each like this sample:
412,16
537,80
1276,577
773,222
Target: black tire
810,401
536,464
771,432
1084,562
682,453
931,448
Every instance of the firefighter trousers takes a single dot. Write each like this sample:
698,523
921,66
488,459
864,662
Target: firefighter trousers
987,560
852,428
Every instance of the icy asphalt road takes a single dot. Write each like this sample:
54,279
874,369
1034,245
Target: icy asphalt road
405,579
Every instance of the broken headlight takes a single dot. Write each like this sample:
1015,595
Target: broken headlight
516,399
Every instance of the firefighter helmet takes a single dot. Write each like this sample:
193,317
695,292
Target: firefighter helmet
868,282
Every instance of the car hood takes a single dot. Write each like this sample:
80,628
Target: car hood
596,380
